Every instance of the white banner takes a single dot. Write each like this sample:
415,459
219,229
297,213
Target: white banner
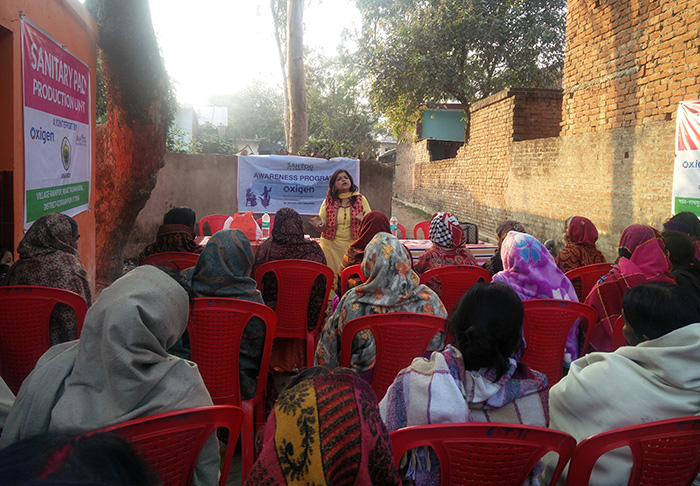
686,170
267,183
57,137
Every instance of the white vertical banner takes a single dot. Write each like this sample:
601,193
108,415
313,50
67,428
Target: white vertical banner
686,170
57,128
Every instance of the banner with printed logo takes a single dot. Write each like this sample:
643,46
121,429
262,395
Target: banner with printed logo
267,183
686,171
57,137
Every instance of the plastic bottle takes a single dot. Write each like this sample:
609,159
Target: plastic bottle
394,225
266,225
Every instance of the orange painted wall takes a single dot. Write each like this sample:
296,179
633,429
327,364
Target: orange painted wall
71,25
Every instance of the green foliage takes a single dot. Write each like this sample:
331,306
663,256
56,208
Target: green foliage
329,148
212,143
179,141
421,51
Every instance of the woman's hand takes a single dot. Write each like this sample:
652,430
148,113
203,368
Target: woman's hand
317,223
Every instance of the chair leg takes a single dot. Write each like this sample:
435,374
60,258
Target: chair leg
247,442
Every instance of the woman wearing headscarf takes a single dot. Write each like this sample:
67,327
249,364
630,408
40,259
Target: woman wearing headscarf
642,258
530,270
223,270
374,222
326,430
580,250
391,286
288,242
176,233
688,223
48,257
494,264
448,246
119,369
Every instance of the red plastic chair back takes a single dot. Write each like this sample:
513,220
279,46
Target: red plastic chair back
618,339
295,281
170,442
215,327
347,273
25,312
546,326
423,225
272,221
215,221
589,276
177,260
401,231
485,453
455,280
665,452
399,337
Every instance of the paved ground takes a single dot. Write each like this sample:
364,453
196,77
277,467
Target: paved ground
408,216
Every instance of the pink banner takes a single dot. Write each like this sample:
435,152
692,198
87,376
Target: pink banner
55,81
688,126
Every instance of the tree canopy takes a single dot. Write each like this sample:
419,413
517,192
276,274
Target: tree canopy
428,51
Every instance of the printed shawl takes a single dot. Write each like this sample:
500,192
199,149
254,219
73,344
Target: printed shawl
374,222
326,431
47,258
441,390
173,237
223,270
391,286
332,205
648,262
581,249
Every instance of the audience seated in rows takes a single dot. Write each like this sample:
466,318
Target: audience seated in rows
175,234
48,256
580,250
530,270
223,270
654,378
494,264
326,430
477,380
688,223
681,252
374,222
642,258
391,286
288,242
119,370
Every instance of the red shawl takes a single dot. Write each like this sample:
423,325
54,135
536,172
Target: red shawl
332,205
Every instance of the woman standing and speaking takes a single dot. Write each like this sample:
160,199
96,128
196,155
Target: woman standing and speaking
339,217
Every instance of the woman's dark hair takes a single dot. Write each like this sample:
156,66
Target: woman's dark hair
654,309
680,247
510,225
487,326
690,220
181,215
62,458
75,232
333,192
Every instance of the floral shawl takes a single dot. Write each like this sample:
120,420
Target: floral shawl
332,206
581,249
441,390
448,247
326,430
647,262
173,237
47,258
223,270
374,222
391,286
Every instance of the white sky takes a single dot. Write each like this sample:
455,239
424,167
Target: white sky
214,47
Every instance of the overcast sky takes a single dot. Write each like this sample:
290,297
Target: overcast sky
216,47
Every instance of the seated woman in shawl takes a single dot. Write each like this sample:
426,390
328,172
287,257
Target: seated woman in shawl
448,247
681,252
642,258
530,270
391,286
580,250
326,430
119,369
175,234
48,256
223,270
478,379
494,264
688,223
288,242
374,222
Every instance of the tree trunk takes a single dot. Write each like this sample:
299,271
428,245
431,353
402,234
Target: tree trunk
279,18
298,115
130,146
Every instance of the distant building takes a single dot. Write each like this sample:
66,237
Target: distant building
214,115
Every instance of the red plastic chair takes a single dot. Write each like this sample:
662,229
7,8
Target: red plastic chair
170,442
215,327
665,452
423,225
546,326
25,312
215,221
455,280
177,260
272,221
401,231
295,281
589,276
399,337
347,273
485,453
618,339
